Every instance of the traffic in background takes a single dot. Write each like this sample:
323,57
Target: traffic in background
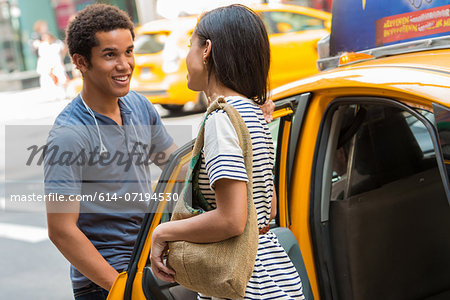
161,47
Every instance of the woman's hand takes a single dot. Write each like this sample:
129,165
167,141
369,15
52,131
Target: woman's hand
158,251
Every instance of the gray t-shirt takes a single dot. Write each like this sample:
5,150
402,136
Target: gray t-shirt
115,185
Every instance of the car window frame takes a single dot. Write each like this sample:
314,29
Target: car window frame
290,129
280,181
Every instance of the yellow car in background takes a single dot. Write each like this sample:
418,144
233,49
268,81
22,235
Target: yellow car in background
160,68
161,47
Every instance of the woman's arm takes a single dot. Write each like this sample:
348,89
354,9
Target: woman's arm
227,220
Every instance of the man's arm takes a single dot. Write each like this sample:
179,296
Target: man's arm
160,159
74,245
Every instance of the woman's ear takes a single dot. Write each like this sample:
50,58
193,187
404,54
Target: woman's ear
207,51
80,62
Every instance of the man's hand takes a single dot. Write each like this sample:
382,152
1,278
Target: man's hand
267,109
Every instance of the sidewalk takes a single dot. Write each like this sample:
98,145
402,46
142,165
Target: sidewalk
28,105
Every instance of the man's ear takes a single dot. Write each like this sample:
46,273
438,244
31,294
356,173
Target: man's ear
207,51
80,62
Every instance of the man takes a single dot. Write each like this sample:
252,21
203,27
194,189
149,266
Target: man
106,131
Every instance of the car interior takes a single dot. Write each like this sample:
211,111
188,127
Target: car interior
389,217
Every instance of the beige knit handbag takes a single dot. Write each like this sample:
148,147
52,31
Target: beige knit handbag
220,269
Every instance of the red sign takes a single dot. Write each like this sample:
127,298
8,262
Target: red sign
63,14
414,24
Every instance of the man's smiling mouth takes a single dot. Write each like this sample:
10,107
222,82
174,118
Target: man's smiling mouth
121,78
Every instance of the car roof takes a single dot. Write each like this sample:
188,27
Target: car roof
423,76
292,8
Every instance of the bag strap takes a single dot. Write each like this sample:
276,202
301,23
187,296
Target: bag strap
244,142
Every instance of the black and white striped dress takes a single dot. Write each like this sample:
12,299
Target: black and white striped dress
274,275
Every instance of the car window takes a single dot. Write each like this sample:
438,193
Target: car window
175,187
150,43
421,133
378,145
274,128
284,22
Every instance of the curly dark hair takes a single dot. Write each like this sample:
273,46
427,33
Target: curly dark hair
80,33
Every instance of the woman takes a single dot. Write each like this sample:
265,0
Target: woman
229,56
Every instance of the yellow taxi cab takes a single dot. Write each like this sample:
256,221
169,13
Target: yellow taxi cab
160,69
161,48
362,164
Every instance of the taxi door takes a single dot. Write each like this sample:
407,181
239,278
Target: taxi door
369,197
138,282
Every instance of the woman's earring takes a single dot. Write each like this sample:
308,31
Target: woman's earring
205,62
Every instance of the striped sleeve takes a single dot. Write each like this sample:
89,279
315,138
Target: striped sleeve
222,152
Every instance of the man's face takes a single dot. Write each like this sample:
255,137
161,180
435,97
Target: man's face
112,63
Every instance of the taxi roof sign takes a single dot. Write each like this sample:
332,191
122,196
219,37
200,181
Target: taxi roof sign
359,25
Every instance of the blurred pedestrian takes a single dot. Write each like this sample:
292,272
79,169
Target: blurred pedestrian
229,56
40,27
50,67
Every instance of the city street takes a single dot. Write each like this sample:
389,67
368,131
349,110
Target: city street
32,267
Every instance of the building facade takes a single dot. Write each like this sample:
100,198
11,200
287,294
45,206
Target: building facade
17,20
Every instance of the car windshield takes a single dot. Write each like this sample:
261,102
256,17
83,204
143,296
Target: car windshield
151,42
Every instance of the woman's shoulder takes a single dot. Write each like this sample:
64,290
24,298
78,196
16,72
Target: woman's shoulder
241,102
249,111
246,107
